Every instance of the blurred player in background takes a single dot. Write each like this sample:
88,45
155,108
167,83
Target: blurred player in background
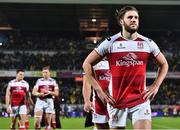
55,117
16,97
128,53
55,122
44,89
98,108
29,103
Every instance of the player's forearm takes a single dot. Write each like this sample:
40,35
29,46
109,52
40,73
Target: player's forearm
162,71
55,93
35,93
86,95
7,101
86,89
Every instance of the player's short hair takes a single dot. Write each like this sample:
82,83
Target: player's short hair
120,13
19,70
46,68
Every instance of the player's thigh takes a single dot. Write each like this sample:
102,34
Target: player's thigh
117,117
14,111
142,124
102,125
49,106
38,106
141,117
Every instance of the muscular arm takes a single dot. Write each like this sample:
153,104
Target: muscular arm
86,89
162,71
91,60
30,99
36,93
8,95
86,94
55,93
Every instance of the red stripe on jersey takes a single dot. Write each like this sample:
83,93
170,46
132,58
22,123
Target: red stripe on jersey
120,39
100,108
18,94
103,78
136,70
128,77
45,88
139,39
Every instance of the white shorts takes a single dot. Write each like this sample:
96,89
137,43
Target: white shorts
46,105
18,110
97,118
118,117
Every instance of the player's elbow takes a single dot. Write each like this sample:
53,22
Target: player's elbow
34,92
57,94
86,66
165,65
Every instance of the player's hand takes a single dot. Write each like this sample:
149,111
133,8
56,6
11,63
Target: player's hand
8,110
41,94
150,92
88,106
105,97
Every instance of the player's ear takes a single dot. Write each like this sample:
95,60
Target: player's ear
121,22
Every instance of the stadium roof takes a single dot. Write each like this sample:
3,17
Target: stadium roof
136,2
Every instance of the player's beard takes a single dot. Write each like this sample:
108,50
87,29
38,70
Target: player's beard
129,29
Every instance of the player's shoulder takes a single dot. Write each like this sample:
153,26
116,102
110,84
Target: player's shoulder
24,81
146,39
40,79
113,38
11,81
52,80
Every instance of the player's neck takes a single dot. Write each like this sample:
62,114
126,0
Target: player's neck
46,78
129,36
18,80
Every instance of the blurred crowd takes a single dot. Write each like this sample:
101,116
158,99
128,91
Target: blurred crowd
33,50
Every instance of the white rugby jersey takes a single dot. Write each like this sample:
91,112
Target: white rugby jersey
44,86
18,90
127,61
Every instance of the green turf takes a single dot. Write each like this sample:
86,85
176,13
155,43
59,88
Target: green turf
78,123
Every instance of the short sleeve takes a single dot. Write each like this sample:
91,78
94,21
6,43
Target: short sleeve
27,86
37,84
56,85
154,48
103,48
9,85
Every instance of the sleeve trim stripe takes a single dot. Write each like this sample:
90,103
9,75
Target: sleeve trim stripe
98,53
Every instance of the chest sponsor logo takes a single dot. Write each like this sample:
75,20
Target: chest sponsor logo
131,59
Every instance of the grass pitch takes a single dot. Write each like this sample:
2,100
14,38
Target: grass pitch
78,123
